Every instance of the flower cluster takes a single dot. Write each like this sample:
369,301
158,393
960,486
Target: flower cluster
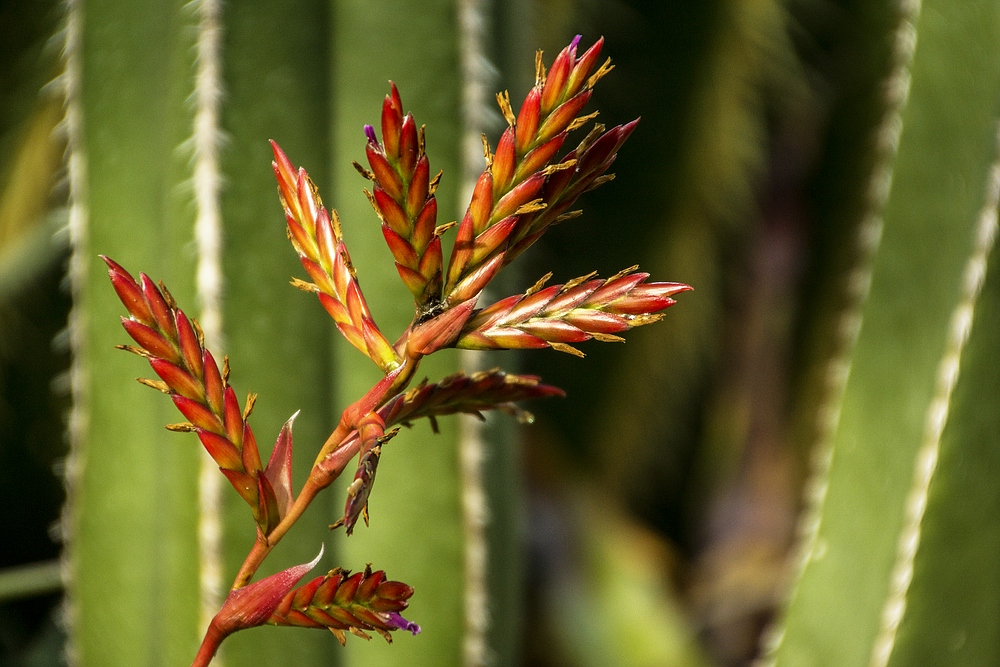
175,348
529,183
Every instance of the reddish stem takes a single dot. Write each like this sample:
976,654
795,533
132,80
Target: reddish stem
321,477
209,646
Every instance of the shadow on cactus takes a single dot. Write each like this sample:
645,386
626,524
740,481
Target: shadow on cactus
529,184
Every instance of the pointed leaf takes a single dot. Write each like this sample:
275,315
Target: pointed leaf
267,505
253,604
279,467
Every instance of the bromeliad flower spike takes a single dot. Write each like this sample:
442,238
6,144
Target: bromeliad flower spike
530,183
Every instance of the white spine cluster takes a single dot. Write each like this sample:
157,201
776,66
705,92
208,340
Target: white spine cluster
207,183
477,76
897,91
960,325
72,125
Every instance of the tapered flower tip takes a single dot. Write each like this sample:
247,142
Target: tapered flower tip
132,297
253,604
400,623
394,98
575,43
113,265
669,289
117,273
279,468
370,133
646,298
281,162
629,126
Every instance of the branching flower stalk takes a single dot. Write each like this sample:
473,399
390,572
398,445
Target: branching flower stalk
527,186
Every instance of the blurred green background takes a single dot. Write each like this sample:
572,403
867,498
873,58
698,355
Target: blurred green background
650,518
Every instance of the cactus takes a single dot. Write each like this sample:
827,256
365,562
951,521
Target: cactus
168,173
152,146
893,565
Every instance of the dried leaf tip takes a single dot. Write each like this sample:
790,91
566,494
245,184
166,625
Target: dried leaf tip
158,385
559,166
570,284
642,320
592,136
581,121
303,285
364,172
167,296
251,401
374,205
539,68
599,181
432,186
600,73
335,224
181,427
503,99
539,284
621,274
198,332
134,350
487,153
531,207
568,216
441,229
568,349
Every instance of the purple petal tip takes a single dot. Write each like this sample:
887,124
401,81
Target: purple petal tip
370,133
575,43
401,623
